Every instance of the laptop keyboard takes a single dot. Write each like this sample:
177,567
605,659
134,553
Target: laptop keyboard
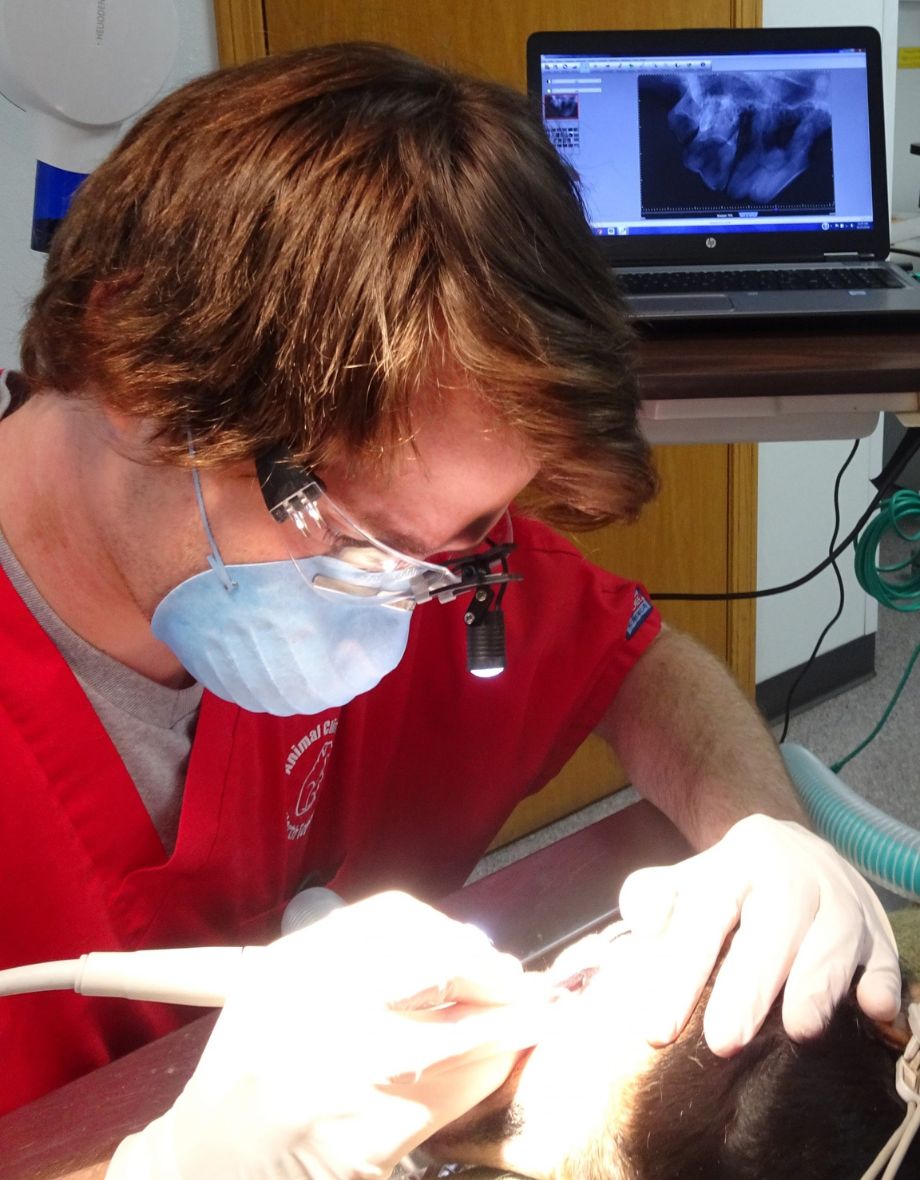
682,282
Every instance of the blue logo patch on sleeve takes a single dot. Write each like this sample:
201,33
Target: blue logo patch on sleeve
642,608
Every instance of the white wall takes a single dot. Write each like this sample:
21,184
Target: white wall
20,266
907,119
796,480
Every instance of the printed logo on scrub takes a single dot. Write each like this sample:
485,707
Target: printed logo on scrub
642,608
298,823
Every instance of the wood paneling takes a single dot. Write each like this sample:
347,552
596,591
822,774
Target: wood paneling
240,31
479,36
747,14
701,533
742,563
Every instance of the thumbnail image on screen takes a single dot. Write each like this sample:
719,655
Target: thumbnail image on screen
560,106
564,130
723,142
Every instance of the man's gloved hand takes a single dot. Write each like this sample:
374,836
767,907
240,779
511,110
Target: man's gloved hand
341,1047
806,918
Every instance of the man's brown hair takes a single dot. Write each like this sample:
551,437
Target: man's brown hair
284,252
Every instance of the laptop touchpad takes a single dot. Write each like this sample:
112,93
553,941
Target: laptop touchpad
680,304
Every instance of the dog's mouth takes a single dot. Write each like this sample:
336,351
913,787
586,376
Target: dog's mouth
577,982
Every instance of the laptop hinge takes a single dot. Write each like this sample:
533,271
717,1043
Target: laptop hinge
846,256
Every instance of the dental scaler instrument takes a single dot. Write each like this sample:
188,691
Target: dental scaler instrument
200,976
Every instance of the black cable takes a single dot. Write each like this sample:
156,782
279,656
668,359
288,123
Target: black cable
884,481
841,594
741,595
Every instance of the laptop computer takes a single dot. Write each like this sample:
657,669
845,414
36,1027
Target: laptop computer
729,172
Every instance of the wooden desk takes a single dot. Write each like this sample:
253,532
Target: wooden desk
815,357
533,908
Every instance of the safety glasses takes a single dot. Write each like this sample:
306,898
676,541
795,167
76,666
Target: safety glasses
315,524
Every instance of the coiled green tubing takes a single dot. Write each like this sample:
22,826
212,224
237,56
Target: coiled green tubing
897,593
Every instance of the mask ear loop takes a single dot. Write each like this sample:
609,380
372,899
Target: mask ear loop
215,561
6,397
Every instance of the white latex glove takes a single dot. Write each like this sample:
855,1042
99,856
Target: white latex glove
807,918
341,1047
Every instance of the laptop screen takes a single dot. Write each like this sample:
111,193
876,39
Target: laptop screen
742,142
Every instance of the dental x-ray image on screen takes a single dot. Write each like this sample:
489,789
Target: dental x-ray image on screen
728,172
721,142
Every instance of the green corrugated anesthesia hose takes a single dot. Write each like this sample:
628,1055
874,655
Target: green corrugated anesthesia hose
881,847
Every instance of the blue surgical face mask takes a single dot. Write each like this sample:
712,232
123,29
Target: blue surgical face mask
265,637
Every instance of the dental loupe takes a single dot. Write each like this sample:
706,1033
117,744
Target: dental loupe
295,495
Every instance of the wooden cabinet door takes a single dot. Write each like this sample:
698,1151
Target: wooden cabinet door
700,535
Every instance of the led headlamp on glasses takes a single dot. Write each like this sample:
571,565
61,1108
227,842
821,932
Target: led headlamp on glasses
298,500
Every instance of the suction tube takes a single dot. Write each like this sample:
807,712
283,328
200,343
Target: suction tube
883,849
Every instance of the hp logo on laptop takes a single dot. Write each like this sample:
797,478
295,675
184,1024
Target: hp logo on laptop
710,243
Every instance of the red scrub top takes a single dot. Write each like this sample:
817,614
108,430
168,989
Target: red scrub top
404,787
